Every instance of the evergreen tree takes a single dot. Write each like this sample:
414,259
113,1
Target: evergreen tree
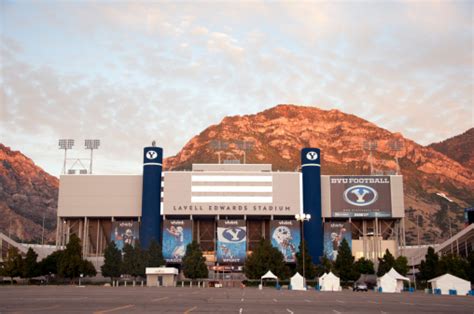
112,261
470,268
325,266
265,257
429,268
154,256
385,263
401,265
454,265
344,264
50,264
12,267
133,261
87,268
364,266
310,269
30,266
194,263
70,263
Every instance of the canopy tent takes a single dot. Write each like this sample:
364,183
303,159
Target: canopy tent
268,275
391,281
448,282
320,280
329,282
297,282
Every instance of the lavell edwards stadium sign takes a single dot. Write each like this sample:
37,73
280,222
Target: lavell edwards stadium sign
360,196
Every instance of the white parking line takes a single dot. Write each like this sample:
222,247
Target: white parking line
307,301
289,311
242,300
336,312
275,300
240,311
340,301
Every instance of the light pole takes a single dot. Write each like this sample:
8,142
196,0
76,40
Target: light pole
302,218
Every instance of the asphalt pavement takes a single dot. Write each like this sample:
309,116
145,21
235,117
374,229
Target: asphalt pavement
95,299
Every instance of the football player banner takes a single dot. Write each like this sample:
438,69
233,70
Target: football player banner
334,232
177,234
124,232
285,236
231,241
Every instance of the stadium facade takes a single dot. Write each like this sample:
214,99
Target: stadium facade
228,208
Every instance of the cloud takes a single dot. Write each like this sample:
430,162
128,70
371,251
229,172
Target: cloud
128,73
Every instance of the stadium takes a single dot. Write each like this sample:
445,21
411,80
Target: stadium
228,208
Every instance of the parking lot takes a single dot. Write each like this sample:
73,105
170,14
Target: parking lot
94,299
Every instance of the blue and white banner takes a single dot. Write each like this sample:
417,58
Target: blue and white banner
124,232
177,234
231,241
334,233
285,235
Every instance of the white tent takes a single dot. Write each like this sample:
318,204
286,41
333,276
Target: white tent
321,279
329,282
391,281
297,282
447,282
268,275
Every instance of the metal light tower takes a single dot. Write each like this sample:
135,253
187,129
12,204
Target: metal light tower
370,146
65,144
302,218
91,144
396,146
245,146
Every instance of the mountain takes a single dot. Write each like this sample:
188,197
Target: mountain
459,148
26,193
279,133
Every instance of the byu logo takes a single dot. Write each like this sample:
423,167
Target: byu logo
151,154
311,156
234,234
360,195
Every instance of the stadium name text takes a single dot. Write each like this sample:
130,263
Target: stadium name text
360,180
241,208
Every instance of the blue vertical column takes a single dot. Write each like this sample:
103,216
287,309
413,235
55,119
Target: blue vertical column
313,230
150,227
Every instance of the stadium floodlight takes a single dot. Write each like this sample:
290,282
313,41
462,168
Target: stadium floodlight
91,144
302,218
370,146
396,146
65,144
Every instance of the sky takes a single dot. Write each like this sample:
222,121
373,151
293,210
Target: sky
128,73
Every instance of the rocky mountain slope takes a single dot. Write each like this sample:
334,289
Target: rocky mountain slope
279,133
26,194
459,148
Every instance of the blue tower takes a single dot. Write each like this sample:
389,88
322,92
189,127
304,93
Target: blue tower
313,230
150,227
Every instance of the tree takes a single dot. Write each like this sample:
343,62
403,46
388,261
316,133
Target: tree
30,266
364,266
265,257
154,256
470,269
13,265
385,263
325,266
401,265
454,265
344,264
112,262
133,261
50,264
70,263
87,268
429,268
310,269
194,263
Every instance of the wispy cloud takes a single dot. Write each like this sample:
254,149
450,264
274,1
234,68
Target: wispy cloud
130,72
